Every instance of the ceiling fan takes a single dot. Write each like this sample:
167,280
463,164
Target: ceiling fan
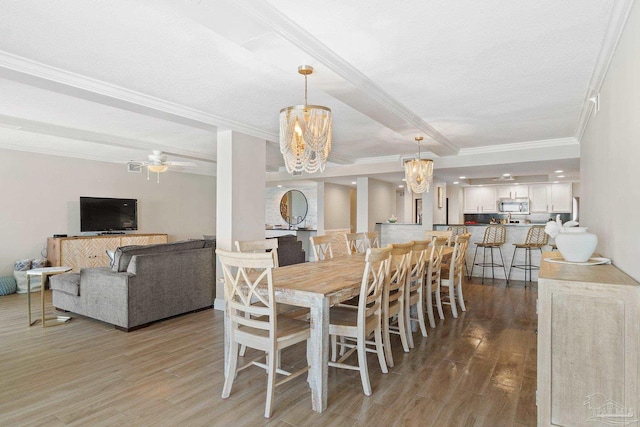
157,162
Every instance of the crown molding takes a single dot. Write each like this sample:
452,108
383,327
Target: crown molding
519,146
290,31
617,20
108,92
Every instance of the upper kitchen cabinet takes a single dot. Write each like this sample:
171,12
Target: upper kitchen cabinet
555,198
480,200
512,191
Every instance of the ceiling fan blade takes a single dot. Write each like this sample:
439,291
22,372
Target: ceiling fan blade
183,164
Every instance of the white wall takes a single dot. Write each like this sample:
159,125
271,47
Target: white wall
609,154
40,197
337,206
382,202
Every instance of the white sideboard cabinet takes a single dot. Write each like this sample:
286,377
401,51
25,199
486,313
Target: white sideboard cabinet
588,346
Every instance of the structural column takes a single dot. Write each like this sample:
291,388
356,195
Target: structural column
362,204
240,201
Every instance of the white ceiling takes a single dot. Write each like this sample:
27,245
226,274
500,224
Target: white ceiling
495,87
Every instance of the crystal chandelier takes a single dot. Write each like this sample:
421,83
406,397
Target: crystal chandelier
305,133
419,172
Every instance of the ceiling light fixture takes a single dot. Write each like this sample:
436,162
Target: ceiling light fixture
456,182
419,172
560,176
158,168
462,177
305,133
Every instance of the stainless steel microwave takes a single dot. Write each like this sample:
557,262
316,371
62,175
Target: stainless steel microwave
515,206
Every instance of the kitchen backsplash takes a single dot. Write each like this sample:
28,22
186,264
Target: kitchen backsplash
539,218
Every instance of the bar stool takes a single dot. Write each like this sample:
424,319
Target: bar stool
494,238
536,239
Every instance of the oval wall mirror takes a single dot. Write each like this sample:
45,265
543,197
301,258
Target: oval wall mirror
293,207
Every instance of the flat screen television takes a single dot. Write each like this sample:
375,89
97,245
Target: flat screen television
108,214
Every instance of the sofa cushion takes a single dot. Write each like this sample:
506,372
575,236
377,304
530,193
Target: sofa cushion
68,283
124,254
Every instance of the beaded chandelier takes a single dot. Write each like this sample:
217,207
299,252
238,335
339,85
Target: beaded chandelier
305,133
419,172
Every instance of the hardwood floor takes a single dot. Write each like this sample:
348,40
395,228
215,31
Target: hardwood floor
477,370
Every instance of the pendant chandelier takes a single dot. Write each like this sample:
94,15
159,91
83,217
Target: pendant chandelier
419,172
305,133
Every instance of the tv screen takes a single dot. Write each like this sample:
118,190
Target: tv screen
107,214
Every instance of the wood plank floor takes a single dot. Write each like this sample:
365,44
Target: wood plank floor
477,370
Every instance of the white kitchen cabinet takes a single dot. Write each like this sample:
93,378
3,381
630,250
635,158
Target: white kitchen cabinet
512,191
480,200
561,198
555,198
588,346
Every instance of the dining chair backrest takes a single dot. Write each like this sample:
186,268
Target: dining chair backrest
321,247
420,250
495,235
374,279
536,236
372,239
458,257
256,246
244,277
433,264
400,271
456,230
430,234
356,243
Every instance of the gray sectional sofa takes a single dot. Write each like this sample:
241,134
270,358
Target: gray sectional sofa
145,284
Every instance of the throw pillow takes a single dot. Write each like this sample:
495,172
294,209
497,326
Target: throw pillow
7,285
112,257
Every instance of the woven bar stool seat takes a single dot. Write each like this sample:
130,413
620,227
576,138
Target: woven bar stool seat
494,238
536,239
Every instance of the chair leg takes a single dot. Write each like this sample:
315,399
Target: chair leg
231,372
420,308
271,383
504,269
473,264
377,333
493,264
460,297
362,364
407,317
452,299
386,341
513,258
402,326
432,320
439,302
334,348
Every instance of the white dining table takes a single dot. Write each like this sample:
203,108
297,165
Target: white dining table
317,286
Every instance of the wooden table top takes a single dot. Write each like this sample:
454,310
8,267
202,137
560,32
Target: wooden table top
338,277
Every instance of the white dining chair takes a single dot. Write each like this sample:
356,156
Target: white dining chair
359,323
264,245
321,247
372,239
414,293
430,234
393,312
263,329
356,243
451,278
432,275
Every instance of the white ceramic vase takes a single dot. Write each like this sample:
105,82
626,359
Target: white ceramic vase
575,244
